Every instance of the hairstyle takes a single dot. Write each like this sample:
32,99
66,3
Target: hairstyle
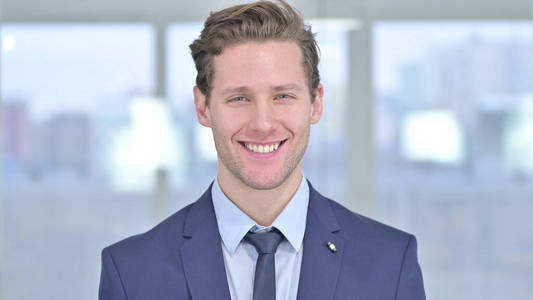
257,21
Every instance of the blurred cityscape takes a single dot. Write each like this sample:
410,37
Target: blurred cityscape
468,210
486,84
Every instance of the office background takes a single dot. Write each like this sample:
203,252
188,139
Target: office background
428,127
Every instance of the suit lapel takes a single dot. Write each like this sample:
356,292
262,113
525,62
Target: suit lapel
201,253
320,266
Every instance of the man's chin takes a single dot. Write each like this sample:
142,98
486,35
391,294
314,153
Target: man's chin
262,185
262,182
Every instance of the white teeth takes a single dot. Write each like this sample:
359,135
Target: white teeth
262,148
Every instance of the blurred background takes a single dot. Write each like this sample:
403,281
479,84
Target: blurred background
428,127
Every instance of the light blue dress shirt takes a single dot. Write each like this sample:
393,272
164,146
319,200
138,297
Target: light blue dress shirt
240,256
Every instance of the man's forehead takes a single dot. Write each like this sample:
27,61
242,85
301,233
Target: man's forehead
264,52
259,44
277,65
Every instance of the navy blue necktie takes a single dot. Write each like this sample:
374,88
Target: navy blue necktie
266,244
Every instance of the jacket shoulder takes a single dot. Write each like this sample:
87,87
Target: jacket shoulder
385,258
155,240
138,267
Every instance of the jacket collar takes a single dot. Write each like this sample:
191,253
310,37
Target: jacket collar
203,261
201,253
323,250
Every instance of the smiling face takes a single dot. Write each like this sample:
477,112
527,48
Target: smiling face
260,112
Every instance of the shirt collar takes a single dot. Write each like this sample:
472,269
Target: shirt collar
233,224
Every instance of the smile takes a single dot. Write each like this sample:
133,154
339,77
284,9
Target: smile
262,148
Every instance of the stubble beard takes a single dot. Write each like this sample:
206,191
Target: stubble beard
236,168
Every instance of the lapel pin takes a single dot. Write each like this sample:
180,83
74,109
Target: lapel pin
332,247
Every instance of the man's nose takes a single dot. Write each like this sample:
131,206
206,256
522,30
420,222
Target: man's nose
263,118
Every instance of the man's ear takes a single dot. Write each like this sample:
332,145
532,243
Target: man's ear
202,109
316,106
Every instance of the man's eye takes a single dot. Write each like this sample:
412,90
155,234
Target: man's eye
283,96
238,99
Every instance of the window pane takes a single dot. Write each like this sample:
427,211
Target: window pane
201,160
67,92
454,134
325,159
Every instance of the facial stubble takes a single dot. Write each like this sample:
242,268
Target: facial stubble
236,167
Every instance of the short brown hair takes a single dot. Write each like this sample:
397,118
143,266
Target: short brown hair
257,21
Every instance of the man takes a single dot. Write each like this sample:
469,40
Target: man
261,231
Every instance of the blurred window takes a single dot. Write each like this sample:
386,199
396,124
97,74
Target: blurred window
70,98
66,92
454,135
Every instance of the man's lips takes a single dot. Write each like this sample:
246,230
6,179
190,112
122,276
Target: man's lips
262,148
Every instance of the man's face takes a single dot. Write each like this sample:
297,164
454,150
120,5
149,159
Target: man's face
260,112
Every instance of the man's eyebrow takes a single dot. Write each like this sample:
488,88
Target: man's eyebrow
287,87
278,88
237,89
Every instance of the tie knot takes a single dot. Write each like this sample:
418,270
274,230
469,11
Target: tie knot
265,242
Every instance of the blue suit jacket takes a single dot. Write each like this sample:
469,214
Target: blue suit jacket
181,258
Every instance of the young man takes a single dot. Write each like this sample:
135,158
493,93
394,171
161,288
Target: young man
261,231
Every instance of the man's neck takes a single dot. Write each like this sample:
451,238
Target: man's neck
262,206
